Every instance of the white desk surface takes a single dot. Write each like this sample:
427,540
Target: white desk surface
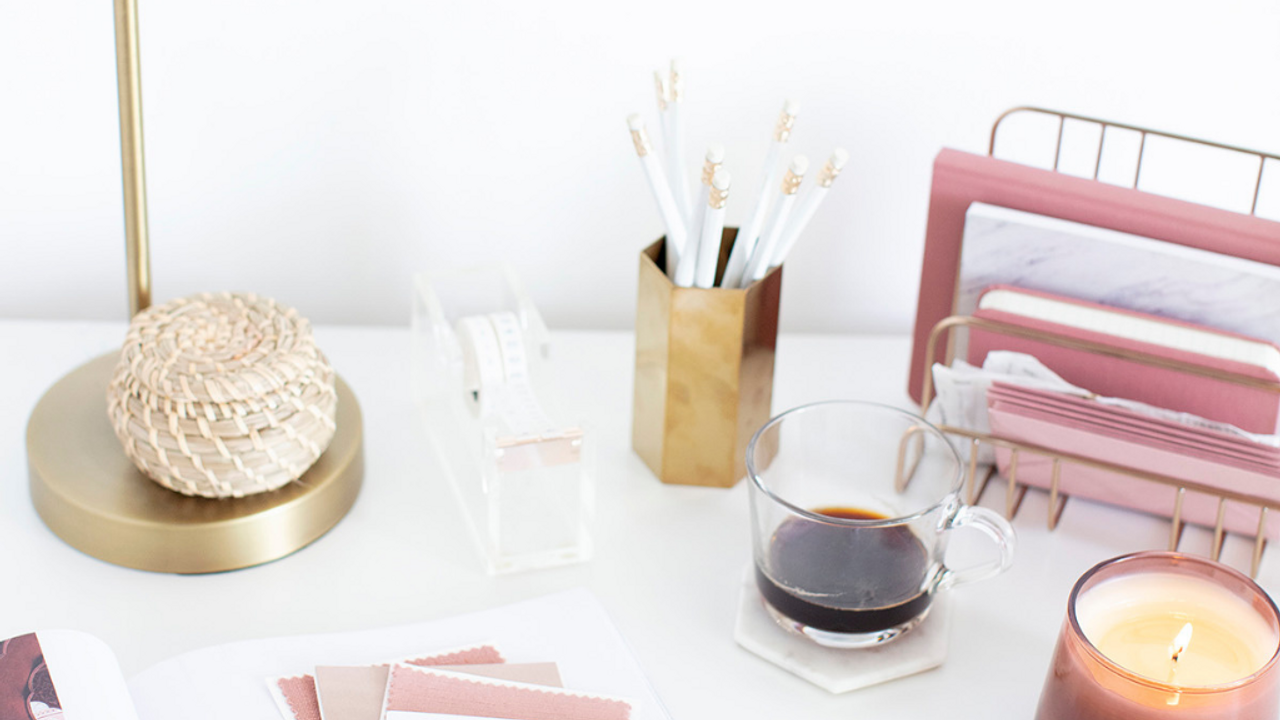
668,563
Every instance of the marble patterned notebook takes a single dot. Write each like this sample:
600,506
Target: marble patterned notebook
1131,272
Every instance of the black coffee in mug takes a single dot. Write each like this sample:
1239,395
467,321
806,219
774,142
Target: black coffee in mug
846,579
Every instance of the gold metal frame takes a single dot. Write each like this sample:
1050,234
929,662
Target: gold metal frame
89,493
1057,500
1142,147
129,81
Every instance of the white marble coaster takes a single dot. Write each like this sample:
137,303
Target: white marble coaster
839,671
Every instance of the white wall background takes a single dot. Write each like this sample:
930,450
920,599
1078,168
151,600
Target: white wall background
322,151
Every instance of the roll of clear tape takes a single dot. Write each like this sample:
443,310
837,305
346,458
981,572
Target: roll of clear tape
497,378
482,369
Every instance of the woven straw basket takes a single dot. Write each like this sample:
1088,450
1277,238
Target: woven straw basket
222,395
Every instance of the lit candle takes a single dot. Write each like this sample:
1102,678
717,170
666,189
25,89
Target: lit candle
1144,623
1178,647
1162,635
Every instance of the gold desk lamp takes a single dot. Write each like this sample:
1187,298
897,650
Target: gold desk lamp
91,495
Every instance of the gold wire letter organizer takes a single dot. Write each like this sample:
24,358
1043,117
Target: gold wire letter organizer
978,479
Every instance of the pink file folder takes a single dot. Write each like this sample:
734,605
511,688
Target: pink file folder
1055,433
1211,443
1253,409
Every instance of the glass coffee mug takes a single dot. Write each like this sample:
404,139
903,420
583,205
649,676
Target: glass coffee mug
851,507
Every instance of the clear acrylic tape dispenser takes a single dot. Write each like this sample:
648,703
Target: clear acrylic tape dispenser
483,382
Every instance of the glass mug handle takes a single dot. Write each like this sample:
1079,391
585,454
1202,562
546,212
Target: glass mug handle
994,526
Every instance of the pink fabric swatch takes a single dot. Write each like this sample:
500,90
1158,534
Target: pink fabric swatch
300,690
482,655
426,691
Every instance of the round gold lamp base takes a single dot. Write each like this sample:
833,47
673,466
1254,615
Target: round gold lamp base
91,495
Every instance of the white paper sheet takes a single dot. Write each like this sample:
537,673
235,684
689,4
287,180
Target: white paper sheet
570,628
86,676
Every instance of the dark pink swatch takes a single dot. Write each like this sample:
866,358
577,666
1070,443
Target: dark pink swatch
300,692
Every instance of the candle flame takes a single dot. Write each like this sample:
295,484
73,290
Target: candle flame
1181,642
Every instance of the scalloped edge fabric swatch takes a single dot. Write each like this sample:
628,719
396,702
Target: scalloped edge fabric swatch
297,698
356,693
412,691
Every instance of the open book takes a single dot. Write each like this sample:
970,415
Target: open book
68,675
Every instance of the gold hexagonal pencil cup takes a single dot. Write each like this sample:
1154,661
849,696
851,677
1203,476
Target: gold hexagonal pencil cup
704,371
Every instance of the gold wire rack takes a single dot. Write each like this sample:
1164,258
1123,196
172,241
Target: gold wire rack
1143,134
977,483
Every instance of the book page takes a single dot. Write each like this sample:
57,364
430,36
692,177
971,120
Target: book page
570,629
61,675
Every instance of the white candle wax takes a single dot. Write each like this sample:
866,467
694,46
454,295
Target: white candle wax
1134,621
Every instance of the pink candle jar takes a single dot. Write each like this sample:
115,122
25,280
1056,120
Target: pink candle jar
1165,635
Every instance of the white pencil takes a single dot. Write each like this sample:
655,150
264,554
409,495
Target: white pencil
712,229
676,234
808,205
745,244
676,166
759,264
687,269
663,92
710,163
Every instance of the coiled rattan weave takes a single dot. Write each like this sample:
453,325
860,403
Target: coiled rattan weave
222,395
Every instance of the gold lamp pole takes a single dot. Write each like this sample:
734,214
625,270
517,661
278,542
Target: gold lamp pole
87,490
129,77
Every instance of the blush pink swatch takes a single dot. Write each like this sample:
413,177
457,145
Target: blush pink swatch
426,691
300,690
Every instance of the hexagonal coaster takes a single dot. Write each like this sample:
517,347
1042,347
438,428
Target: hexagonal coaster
839,671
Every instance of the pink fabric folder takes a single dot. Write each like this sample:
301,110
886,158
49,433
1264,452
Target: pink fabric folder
960,179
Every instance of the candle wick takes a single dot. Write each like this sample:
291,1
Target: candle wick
1181,642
